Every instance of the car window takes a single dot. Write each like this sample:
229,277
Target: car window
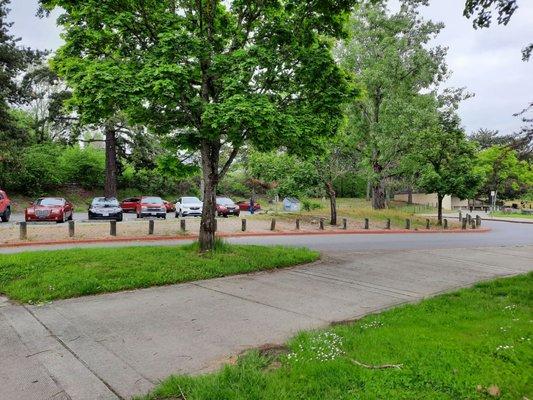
102,201
225,201
190,200
50,202
152,200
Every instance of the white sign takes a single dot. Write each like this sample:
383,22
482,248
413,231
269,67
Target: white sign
493,193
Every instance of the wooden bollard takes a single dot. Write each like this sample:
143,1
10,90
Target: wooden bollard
297,224
183,225
273,224
407,223
367,223
473,224
463,223
387,224
23,230
113,228
468,219
427,223
460,215
321,224
478,221
151,224
344,223
445,221
243,224
71,228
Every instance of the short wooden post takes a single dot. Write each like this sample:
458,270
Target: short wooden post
407,223
297,224
387,224
445,221
23,230
321,224
468,219
367,223
71,228
344,223
113,228
151,224
463,223
243,224
183,225
460,215
478,220
427,223
473,224
273,224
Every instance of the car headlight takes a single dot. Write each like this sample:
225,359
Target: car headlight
144,208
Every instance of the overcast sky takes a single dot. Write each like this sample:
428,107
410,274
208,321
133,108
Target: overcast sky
487,61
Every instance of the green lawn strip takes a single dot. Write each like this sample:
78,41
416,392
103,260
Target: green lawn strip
48,275
500,214
454,346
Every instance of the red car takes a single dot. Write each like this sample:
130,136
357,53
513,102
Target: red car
226,207
245,205
130,204
50,209
151,206
169,206
5,207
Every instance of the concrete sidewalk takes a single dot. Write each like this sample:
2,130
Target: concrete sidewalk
118,345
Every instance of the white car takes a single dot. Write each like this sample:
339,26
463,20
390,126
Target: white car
189,206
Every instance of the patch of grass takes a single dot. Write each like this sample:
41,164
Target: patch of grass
49,275
463,345
359,209
503,214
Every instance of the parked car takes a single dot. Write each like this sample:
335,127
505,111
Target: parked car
130,204
226,207
105,208
245,205
189,206
170,206
151,206
50,209
5,207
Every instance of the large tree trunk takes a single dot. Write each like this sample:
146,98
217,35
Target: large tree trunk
332,202
110,188
378,189
210,159
439,208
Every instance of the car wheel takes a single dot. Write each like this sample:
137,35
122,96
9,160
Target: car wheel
138,215
6,215
119,218
164,216
71,216
177,215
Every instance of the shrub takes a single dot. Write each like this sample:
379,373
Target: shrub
83,166
309,205
39,170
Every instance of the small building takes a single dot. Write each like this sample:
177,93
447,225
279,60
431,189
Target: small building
291,204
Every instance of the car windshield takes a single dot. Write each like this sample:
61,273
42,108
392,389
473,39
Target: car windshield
49,202
103,202
224,201
190,200
152,200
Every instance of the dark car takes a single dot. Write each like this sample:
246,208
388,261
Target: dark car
245,205
5,207
130,204
105,208
49,209
226,207
151,206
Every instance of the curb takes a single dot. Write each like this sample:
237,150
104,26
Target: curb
151,238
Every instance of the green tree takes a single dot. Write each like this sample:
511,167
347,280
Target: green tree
13,60
503,172
444,160
211,73
391,59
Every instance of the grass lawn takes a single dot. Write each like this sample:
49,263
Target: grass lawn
358,209
49,275
510,215
471,344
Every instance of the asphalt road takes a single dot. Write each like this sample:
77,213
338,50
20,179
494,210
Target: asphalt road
502,234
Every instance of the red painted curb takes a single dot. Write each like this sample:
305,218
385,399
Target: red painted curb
240,234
